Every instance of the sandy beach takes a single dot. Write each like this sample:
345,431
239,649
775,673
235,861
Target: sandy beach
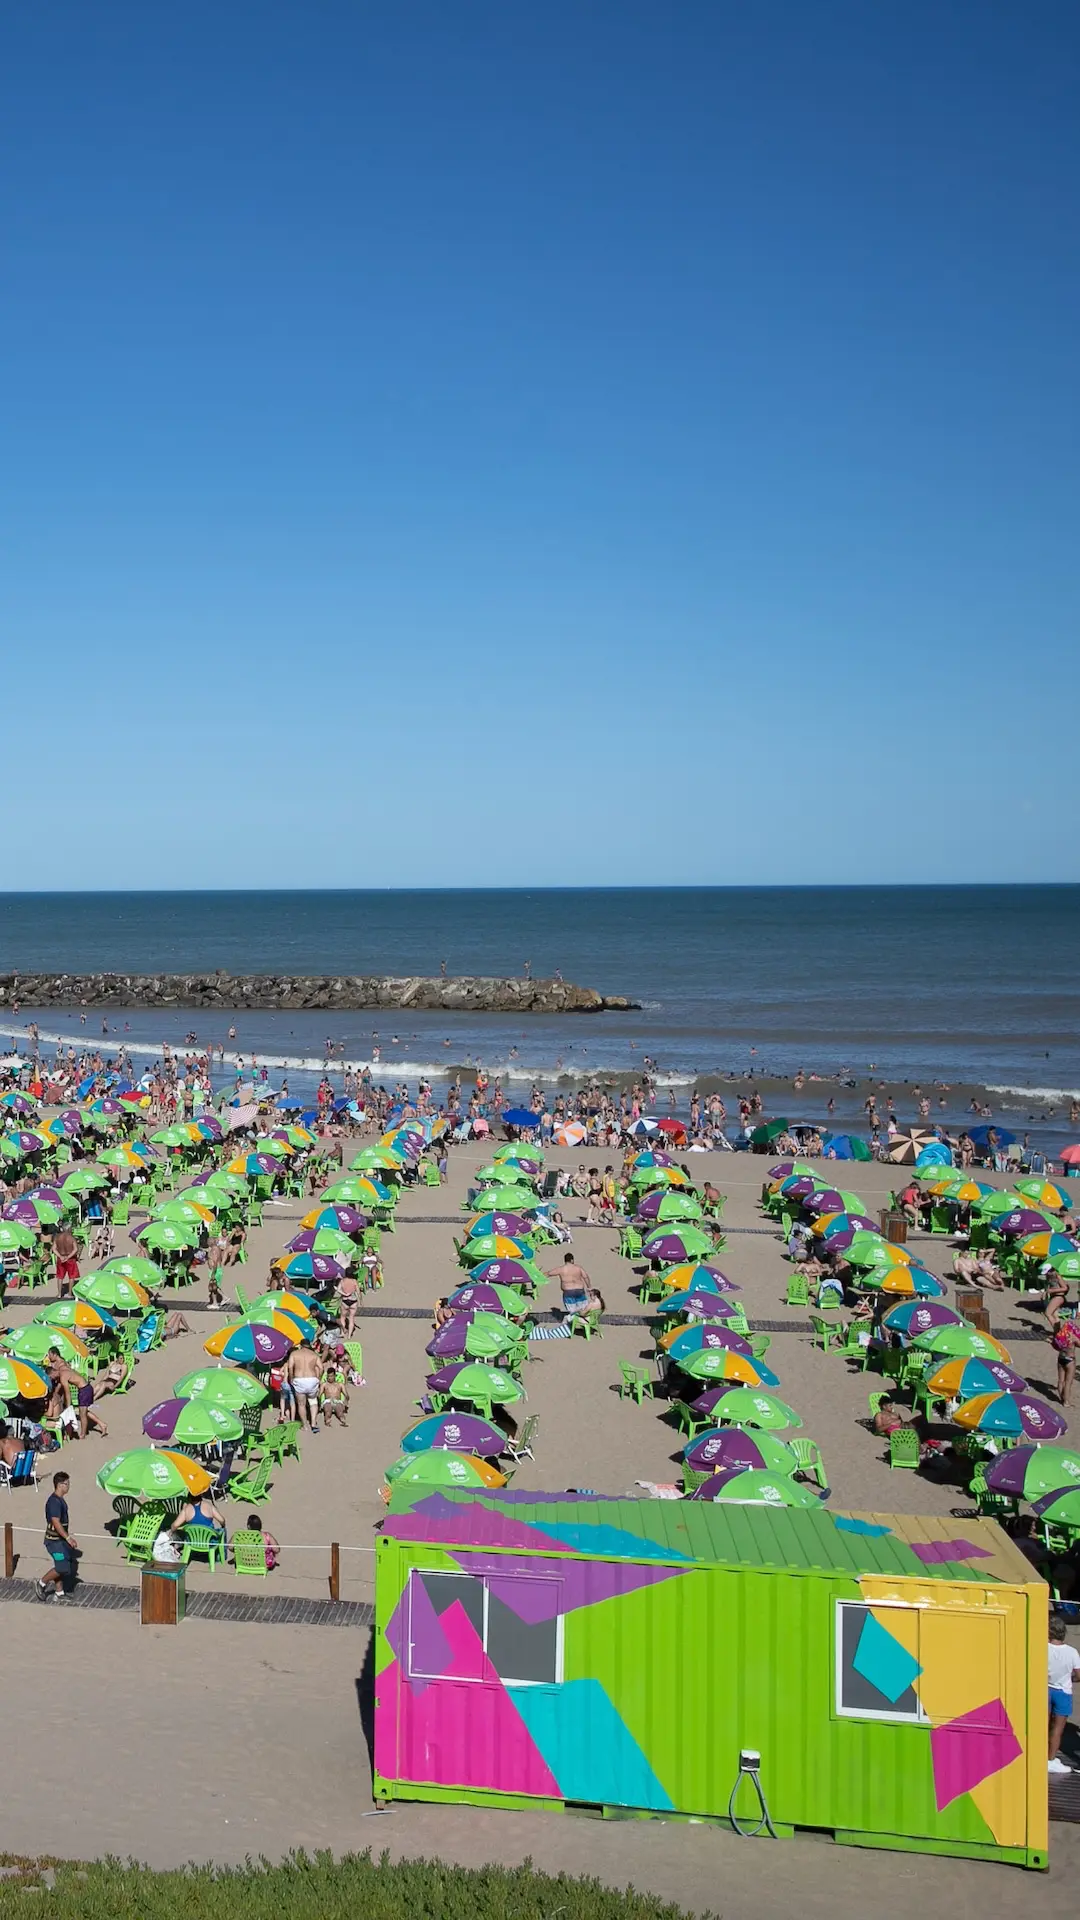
253,1688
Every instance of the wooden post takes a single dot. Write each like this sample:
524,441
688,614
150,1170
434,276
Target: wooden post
335,1571
9,1550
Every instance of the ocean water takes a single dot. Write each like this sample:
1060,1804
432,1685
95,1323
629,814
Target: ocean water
976,987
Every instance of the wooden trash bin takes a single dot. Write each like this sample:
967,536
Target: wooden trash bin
893,1226
977,1317
969,1300
163,1596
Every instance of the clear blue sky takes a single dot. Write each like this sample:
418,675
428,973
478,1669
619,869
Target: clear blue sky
465,441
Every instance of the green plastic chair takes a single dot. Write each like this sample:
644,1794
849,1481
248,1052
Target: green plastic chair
354,1354
140,1534
637,1382
904,1450
203,1540
798,1291
689,1422
521,1448
992,1506
810,1463
826,1334
760,1344
692,1478
587,1324
249,1553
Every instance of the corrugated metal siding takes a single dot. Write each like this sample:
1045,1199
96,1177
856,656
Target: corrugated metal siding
714,1533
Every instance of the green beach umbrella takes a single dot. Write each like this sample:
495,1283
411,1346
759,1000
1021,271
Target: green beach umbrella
377,1160
214,1199
1067,1264
474,1381
753,1407
113,1292
223,1387
1047,1470
961,1343
489,1335
23,1377
14,1236
503,1200
873,1250
512,1302
171,1137
1047,1195
148,1474
168,1236
439,1467
135,1266
499,1173
774,1455
47,1214
768,1131
32,1343
1061,1509
277,1149
84,1180
755,1488
332,1241
183,1210
1002,1200
226,1182
109,1157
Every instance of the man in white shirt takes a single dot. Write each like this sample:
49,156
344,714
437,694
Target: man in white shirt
1063,1662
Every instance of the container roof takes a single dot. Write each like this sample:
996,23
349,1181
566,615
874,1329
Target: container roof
717,1532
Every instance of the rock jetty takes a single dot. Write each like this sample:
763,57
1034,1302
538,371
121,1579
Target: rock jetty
345,993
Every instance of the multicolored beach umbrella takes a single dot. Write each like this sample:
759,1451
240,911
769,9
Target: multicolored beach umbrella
966,1379
495,1246
252,1166
746,1407
250,1343
460,1432
1028,1472
697,1277
20,1380
509,1273
483,1225
328,1240
346,1219
192,1423
720,1363
147,1473
739,1450
699,1338
672,1246
479,1296
1061,1509
355,1190
1011,1414
699,1304
1045,1193
1047,1246
439,1467
829,1226
921,1316
80,1314
29,1212
483,1336
322,1267
752,1488
910,1280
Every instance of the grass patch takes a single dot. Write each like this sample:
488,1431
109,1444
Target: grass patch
320,1887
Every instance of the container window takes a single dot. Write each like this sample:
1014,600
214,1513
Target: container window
877,1662
517,1638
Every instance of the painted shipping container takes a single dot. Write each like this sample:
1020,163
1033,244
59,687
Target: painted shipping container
622,1655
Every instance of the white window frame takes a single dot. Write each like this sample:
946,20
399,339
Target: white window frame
470,1680
920,1718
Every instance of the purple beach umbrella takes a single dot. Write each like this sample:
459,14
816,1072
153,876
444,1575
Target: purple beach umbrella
315,1266
798,1186
782,1170
449,1342
514,1225
921,1316
32,1143
457,1432
736,1450
252,1344
503,1273
826,1200
48,1194
698,1303
669,1248
71,1121
21,1211
1021,1221
161,1420
477,1299
347,1219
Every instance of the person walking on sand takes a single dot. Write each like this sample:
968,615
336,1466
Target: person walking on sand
66,1255
1062,1663
303,1370
60,1543
1065,1340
